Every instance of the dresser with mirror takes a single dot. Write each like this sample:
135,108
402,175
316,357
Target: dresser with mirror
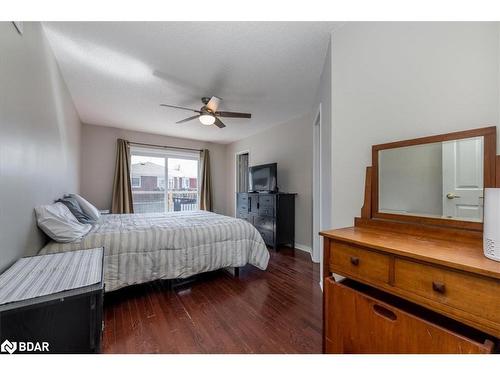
410,276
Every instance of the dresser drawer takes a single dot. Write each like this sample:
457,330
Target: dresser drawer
476,295
264,223
362,320
243,208
266,210
354,261
267,236
243,197
266,200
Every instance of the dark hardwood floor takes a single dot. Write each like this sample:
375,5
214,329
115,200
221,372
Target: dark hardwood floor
272,311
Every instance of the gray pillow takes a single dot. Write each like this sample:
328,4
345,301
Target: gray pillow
76,210
87,207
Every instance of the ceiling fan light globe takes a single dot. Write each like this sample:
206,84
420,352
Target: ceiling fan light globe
207,119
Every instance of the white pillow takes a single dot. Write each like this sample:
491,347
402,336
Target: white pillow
87,207
57,221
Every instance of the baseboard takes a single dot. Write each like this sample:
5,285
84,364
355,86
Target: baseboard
305,248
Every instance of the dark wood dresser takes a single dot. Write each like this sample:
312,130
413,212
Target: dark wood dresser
272,214
397,283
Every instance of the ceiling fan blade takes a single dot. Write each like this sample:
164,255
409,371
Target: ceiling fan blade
213,103
187,119
233,114
219,123
175,106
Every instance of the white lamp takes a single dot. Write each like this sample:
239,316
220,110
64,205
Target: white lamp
491,227
206,119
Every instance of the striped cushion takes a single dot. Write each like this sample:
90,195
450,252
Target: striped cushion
48,274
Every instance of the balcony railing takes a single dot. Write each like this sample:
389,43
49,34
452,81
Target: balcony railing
185,204
154,201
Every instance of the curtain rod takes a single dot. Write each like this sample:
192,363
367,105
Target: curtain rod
161,146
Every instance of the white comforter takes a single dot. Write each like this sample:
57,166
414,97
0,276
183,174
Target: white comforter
145,247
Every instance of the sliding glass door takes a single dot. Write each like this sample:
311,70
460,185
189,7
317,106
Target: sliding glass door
164,180
148,172
182,192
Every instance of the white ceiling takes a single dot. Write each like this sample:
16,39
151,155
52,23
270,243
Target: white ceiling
119,72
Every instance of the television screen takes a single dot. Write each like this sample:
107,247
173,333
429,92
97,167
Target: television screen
263,177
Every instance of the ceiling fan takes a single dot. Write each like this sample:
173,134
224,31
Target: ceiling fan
208,114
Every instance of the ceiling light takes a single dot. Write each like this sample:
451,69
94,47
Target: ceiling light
207,119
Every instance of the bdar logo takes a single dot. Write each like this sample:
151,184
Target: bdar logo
22,346
9,347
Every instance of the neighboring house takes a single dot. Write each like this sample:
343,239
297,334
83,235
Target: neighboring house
148,177
151,177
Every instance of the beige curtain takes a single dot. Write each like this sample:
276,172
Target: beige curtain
205,182
122,187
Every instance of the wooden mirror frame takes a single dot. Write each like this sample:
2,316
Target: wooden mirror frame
489,148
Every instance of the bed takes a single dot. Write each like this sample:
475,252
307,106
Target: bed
144,247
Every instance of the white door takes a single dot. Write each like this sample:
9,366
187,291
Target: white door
317,242
463,179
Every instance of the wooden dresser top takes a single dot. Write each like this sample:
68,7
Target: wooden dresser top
462,255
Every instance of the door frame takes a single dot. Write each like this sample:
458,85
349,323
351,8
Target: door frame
317,223
236,174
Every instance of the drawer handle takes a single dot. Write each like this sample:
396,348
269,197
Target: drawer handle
354,261
385,312
438,287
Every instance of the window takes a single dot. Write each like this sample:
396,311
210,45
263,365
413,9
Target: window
136,182
168,180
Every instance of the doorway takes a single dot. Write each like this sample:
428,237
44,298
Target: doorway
242,172
317,225
242,160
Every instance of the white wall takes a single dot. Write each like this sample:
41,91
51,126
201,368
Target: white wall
394,81
98,154
289,145
39,138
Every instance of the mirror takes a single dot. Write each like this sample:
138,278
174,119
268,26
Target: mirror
438,180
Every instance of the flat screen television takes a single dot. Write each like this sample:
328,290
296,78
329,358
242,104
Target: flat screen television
262,178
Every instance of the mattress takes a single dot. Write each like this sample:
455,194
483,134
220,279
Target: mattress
143,247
